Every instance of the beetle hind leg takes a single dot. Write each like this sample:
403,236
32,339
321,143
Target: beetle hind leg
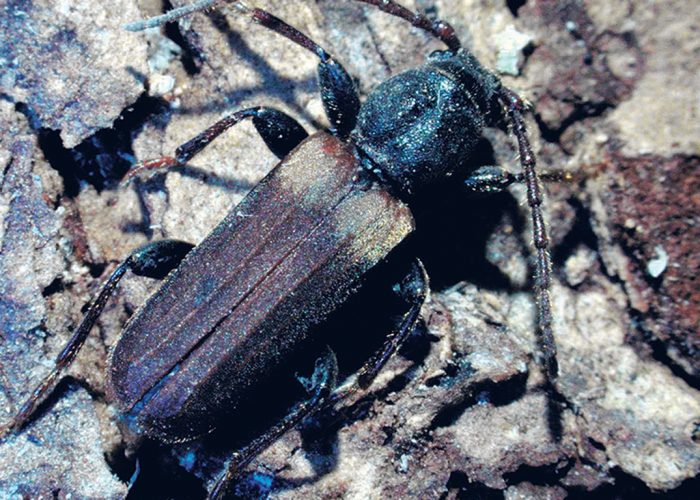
154,260
414,290
319,387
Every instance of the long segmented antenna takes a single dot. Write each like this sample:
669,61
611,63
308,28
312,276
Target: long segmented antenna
439,29
175,14
515,108
259,16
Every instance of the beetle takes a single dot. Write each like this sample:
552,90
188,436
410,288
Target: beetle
232,308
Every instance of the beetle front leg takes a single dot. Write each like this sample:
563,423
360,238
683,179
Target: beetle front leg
319,387
154,260
338,93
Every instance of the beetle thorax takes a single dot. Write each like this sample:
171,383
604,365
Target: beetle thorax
423,124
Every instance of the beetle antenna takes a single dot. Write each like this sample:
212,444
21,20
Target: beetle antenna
515,109
438,28
185,10
258,16
171,15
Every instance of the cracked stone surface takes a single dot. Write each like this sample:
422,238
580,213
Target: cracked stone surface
69,64
462,411
62,452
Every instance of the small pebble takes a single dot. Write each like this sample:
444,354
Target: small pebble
657,265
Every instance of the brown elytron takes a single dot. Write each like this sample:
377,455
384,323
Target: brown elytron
285,257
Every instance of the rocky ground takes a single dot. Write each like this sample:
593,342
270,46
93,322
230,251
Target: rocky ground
463,410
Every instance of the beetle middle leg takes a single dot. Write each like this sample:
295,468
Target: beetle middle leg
280,132
413,289
514,109
153,260
491,179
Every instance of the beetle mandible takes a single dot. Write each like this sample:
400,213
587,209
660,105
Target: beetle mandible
233,307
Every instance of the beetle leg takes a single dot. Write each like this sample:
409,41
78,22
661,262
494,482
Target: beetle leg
515,108
338,93
319,387
439,29
413,289
491,179
281,133
154,260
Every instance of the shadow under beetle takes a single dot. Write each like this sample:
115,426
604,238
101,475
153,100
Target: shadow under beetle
231,309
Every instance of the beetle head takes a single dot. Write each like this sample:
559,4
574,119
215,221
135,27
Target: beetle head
423,124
